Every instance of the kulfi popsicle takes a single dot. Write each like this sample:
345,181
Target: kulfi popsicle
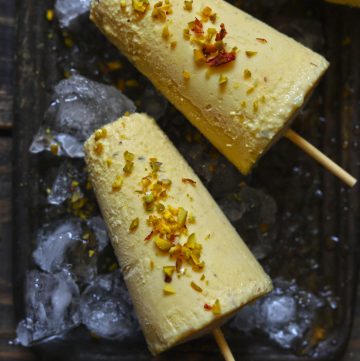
186,268
239,81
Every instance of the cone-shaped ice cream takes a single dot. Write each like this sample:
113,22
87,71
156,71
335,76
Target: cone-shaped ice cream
186,268
239,81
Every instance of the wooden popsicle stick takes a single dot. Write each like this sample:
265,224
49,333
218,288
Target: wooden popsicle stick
223,345
321,158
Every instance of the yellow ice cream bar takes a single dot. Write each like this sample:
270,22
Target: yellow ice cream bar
186,268
239,81
346,2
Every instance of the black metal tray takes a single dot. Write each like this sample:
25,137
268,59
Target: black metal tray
313,206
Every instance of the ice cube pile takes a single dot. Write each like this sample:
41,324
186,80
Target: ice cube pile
287,316
78,107
75,279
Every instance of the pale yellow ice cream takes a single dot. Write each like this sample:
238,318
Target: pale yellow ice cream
346,2
242,106
151,200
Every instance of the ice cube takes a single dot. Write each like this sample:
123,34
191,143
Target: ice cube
62,186
73,244
51,304
53,241
106,308
98,226
279,310
78,107
232,208
285,315
68,11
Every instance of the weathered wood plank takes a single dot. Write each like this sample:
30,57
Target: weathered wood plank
7,320
7,33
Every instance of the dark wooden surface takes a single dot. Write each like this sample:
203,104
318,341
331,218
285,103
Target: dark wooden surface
9,352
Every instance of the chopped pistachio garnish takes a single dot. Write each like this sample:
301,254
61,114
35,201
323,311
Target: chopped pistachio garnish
109,162
134,225
154,164
188,5
255,106
168,271
202,277
91,253
149,197
250,54
207,14
98,148
152,265
54,148
181,217
191,218
68,41
140,5
247,74
160,207
49,15
122,4
211,32
250,90
128,167
161,10
206,11
168,289
113,267
213,17
117,183
129,156
186,34
166,182
223,79
186,75
199,57
165,32
162,243
216,308
173,44
100,134
207,237
168,224
196,287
